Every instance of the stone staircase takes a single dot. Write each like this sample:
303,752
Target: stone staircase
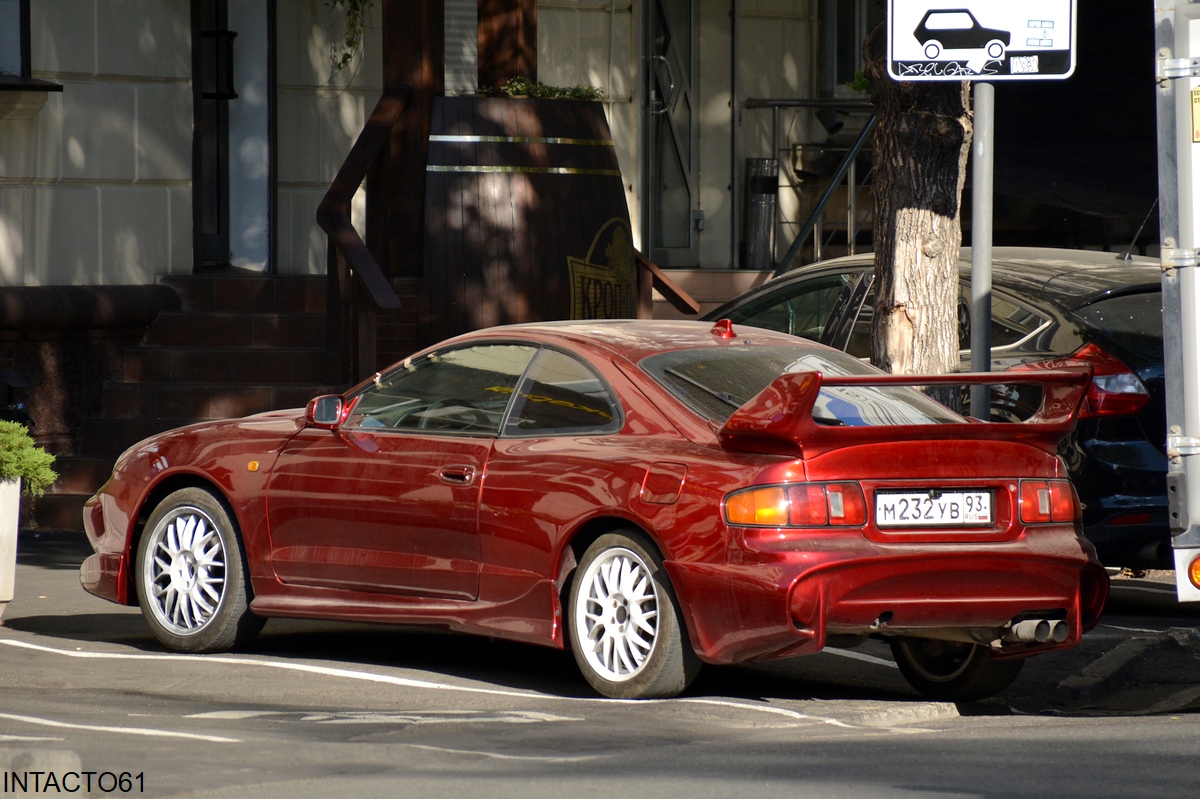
242,344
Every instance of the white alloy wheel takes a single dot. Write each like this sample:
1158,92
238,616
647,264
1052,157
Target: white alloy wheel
624,624
619,616
190,578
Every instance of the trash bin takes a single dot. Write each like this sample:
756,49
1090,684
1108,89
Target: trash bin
762,185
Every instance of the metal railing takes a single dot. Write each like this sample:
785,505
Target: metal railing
352,305
846,171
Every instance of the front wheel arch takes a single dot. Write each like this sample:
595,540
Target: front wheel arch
191,574
154,498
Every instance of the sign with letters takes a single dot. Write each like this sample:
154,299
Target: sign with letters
981,39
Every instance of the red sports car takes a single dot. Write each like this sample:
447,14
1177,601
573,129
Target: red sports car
654,495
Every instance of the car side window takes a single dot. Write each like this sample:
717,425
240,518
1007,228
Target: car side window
461,390
561,396
1012,322
802,309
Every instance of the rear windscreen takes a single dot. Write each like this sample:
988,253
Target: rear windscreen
1134,321
717,381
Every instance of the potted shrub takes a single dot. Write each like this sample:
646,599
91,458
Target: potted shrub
22,463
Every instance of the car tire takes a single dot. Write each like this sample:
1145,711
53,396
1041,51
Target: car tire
191,576
932,49
624,624
951,671
995,49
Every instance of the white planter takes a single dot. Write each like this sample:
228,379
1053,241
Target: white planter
10,510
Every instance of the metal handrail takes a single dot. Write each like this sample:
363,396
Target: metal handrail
350,329
776,106
834,182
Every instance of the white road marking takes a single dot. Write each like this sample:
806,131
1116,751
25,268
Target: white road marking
1131,629
391,717
498,756
1162,590
123,730
28,738
407,682
850,653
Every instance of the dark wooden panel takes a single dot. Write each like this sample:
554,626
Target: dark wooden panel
526,216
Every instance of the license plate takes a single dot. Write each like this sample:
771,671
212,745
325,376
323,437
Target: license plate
933,508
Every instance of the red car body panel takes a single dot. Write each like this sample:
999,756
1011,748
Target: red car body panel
476,533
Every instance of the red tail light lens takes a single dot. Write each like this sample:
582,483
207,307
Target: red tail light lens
1046,501
1115,389
805,505
846,504
808,506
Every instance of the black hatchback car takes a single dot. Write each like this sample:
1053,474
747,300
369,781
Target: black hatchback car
1046,305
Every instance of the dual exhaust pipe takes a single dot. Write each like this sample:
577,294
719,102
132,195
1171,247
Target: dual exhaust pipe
1039,631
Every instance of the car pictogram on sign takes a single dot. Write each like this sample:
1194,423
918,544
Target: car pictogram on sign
957,29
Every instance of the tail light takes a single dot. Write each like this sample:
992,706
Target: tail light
1045,501
804,505
1115,389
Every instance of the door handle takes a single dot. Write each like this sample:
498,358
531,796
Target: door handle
458,475
666,101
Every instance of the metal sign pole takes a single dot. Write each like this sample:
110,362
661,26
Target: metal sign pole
982,148
981,41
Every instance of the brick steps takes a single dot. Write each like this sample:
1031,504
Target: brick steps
244,344
200,363
237,330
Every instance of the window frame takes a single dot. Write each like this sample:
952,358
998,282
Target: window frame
23,80
503,430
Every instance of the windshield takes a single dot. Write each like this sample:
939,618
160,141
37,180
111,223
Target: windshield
717,381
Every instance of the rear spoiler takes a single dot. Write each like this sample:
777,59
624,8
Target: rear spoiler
779,419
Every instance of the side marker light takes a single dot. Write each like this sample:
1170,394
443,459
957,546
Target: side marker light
1194,571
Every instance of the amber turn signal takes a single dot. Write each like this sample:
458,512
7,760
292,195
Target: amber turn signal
805,505
1193,571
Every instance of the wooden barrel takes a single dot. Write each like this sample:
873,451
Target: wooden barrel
526,218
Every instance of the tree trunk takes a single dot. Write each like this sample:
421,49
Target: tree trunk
921,147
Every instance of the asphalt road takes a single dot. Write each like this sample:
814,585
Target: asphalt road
318,709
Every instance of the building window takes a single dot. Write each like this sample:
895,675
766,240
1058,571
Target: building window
16,71
14,39
844,27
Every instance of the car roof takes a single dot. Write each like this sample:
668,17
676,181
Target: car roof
634,338
1070,279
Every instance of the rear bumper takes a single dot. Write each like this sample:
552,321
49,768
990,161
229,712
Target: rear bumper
740,612
1122,485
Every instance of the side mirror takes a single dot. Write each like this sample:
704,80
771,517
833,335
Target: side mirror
325,412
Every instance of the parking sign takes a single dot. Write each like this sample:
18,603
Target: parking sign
981,39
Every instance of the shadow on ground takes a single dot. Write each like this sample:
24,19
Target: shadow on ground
1139,672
